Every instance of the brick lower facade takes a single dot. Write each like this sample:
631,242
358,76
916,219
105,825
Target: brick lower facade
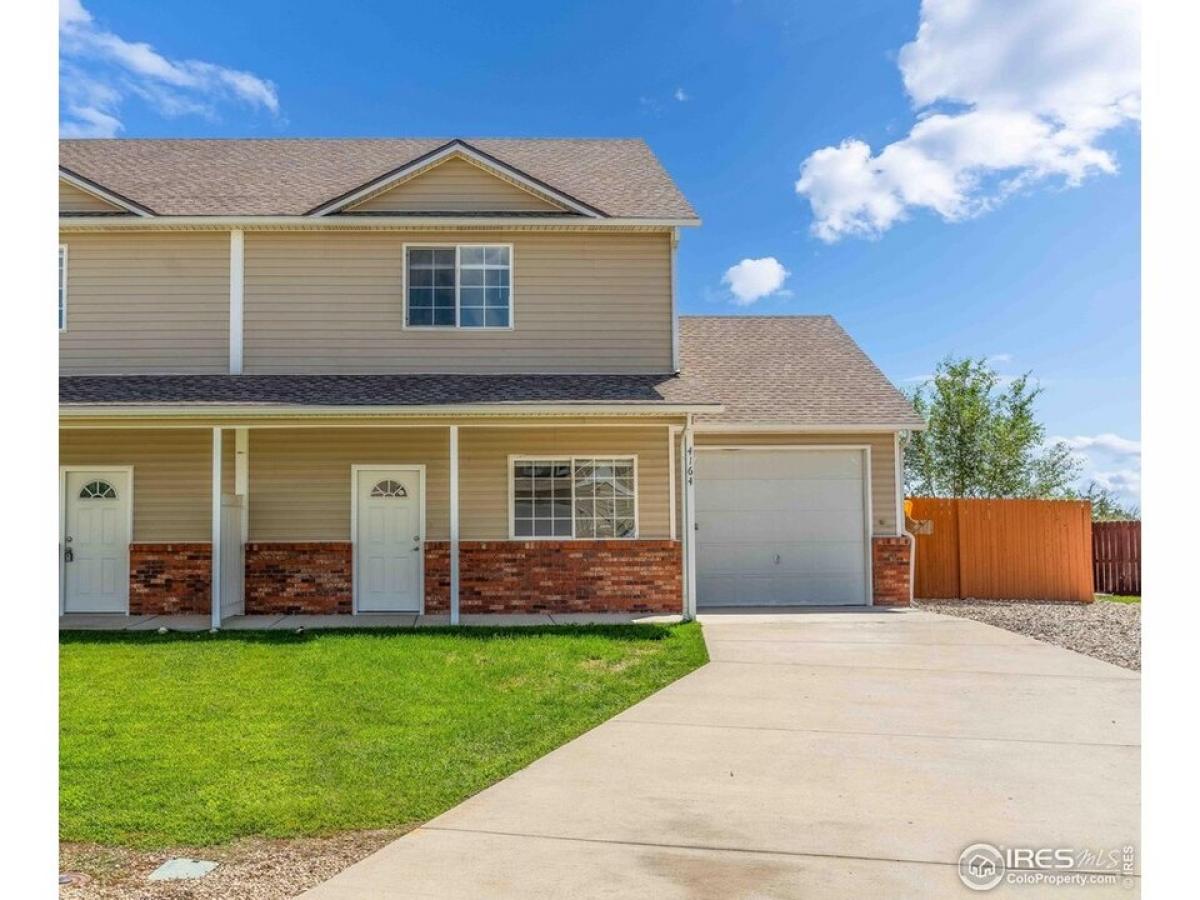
890,557
642,576
557,576
169,579
299,578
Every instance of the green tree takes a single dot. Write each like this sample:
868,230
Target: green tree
983,439
1106,506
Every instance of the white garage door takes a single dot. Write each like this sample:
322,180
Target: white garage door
780,527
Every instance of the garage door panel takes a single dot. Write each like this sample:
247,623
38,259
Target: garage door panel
765,590
791,465
781,527
754,526
777,558
760,495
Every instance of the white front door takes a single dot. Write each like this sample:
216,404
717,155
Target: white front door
389,539
96,542
781,527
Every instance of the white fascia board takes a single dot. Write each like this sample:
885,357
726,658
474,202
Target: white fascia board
89,187
783,428
200,410
361,222
455,148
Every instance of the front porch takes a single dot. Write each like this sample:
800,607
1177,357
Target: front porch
361,522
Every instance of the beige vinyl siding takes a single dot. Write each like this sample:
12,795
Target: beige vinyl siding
73,200
143,302
172,476
333,302
883,464
300,479
456,186
483,471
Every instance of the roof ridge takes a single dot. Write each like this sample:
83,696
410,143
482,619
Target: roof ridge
757,316
344,138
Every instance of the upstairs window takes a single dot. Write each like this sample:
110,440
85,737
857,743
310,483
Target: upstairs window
62,287
458,286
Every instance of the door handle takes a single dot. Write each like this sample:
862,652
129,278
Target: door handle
68,554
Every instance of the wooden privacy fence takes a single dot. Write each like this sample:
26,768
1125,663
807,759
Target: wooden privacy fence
1117,557
1003,549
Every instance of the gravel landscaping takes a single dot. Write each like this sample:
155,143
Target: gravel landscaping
250,868
1111,631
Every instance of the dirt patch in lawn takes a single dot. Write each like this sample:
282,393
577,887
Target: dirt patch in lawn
1108,631
254,869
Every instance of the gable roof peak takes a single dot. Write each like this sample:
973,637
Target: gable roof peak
617,177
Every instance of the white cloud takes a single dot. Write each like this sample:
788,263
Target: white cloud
752,279
1007,95
100,70
1107,442
681,95
1112,461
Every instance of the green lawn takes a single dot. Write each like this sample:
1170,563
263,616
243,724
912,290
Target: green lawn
1119,598
199,739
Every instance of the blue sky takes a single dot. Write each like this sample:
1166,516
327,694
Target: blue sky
1040,273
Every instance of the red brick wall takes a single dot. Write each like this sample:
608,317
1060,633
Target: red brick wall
496,577
557,576
169,579
890,561
305,578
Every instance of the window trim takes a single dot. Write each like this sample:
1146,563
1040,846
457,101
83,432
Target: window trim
456,327
62,289
570,458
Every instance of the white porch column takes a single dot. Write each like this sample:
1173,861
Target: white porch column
237,282
689,521
215,587
453,524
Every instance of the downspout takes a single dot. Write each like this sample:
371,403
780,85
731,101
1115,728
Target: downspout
237,300
689,520
902,519
674,305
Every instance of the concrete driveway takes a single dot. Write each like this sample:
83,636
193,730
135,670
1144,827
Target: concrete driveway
819,754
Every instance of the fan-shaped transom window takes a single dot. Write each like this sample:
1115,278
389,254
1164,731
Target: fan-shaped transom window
389,488
97,490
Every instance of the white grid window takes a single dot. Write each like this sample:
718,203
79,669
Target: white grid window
463,285
580,497
62,287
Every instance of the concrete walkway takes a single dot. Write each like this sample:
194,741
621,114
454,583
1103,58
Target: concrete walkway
280,622
819,754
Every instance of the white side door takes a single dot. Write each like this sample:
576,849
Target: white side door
96,542
389,539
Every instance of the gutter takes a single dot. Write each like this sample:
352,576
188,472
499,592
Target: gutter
268,410
785,428
359,223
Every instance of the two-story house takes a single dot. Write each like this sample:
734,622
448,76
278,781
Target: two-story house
431,376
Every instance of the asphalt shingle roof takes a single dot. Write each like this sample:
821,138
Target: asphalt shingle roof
788,370
802,371
378,390
291,176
